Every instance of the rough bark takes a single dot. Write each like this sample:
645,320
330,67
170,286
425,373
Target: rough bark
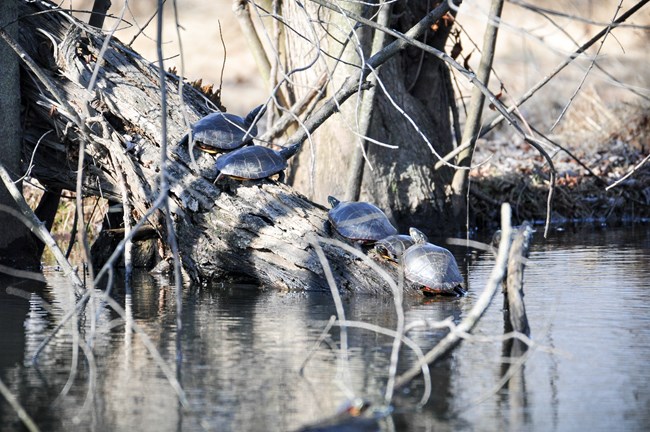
401,181
258,230
17,248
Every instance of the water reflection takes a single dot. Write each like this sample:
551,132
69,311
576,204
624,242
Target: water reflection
586,297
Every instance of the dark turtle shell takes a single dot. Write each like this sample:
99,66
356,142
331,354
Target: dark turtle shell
359,221
433,267
254,162
218,132
392,247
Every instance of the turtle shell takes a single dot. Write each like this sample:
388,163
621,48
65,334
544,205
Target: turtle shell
251,163
432,267
360,221
220,131
392,247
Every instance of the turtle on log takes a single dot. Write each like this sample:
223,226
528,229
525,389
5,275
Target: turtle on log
392,247
360,222
254,162
220,132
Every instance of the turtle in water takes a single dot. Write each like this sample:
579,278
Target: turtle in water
360,222
432,267
221,132
254,162
392,247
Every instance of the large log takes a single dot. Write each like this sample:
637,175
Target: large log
258,230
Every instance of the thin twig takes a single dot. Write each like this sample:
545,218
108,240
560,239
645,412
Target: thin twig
635,169
500,117
586,74
142,29
473,121
343,361
459,184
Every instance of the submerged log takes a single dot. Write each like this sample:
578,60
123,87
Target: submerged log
258,230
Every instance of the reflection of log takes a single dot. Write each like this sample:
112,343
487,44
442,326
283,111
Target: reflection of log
515,319
514,309
253,229
145,247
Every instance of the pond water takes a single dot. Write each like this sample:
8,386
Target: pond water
242,350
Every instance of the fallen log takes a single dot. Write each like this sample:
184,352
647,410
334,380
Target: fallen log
256,230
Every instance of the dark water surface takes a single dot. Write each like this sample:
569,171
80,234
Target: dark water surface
588,302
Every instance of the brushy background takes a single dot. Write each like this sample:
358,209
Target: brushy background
607,124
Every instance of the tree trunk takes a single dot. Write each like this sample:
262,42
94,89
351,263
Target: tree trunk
258,230
17,248
400,181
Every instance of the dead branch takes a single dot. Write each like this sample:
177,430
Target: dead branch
513,290
583,48
473,122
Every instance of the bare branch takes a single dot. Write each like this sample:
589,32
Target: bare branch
500,117
632,171
586,74
473,122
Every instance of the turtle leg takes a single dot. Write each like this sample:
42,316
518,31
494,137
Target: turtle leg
459,291
219,177
281,177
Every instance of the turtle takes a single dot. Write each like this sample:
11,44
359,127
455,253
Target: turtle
358,221
432,267
222,132
392,247
254,162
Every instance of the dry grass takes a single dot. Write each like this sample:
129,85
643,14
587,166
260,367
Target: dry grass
94,208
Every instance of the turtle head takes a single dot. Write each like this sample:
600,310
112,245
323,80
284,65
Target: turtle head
287,152
382,251
418,236
256,112
333,201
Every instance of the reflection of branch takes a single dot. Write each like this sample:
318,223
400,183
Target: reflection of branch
398,334
343,361
22,414
467,324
